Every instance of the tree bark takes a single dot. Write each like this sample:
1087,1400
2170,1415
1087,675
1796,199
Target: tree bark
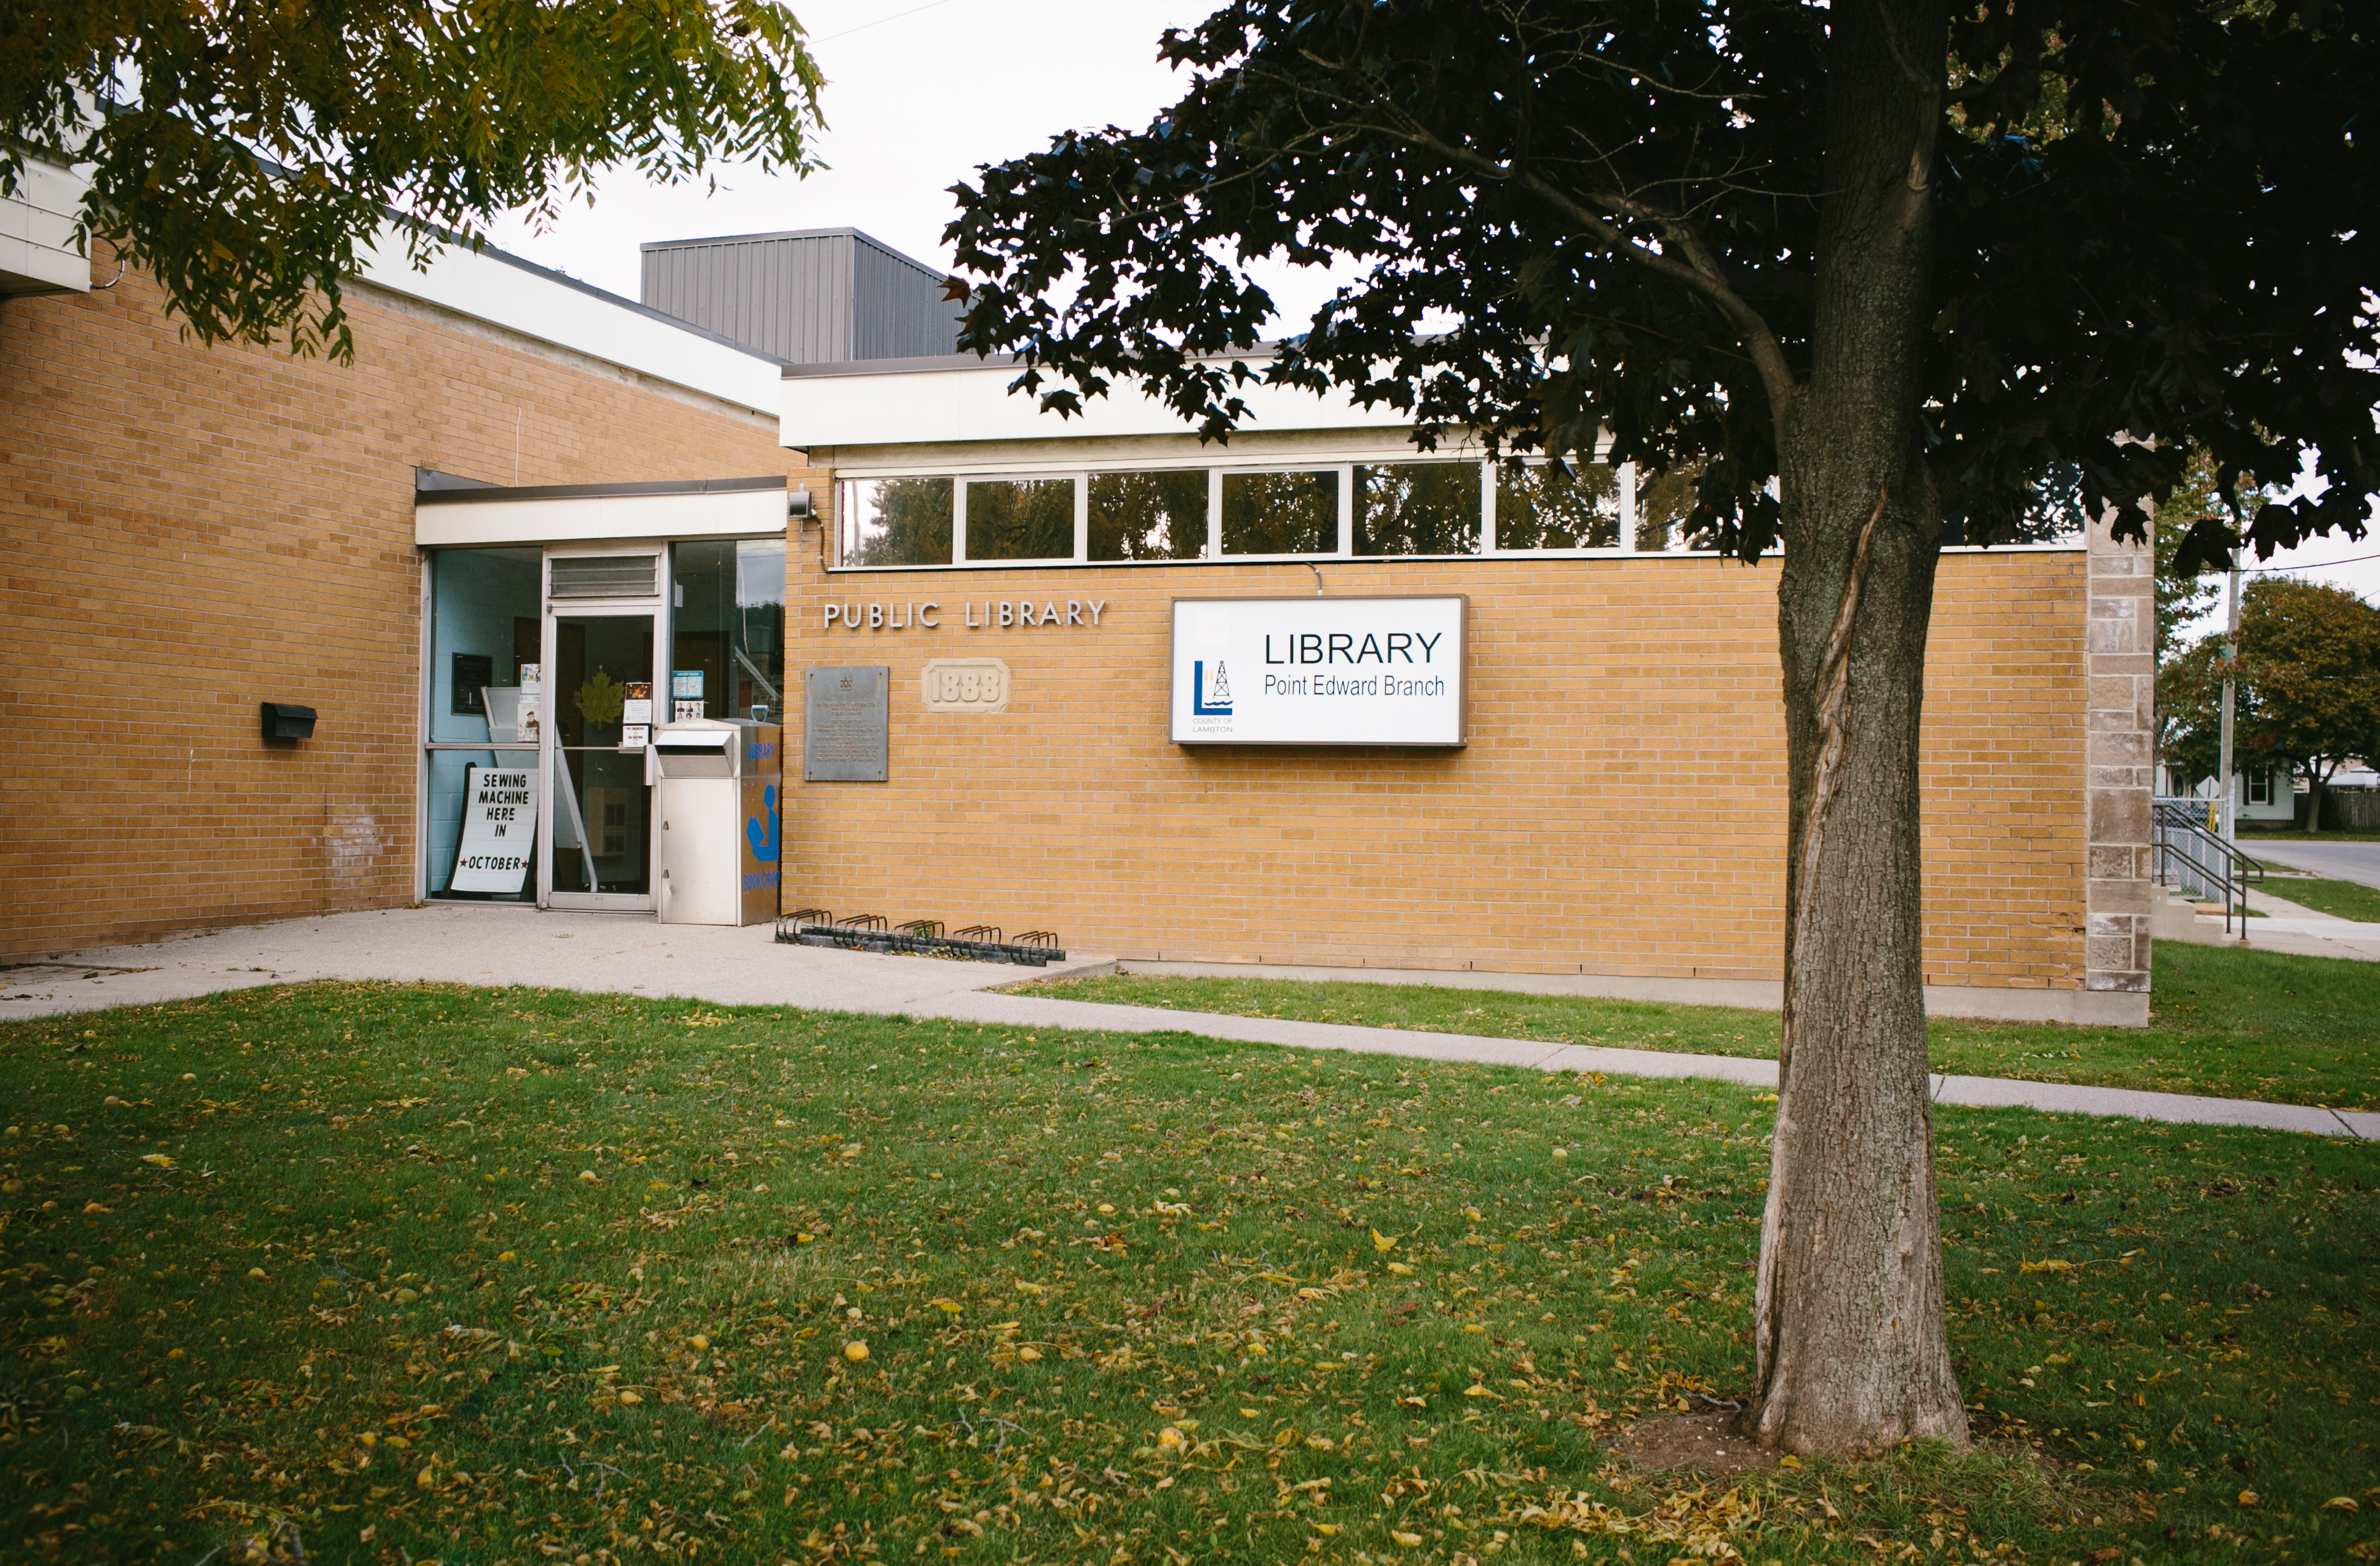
1852,1351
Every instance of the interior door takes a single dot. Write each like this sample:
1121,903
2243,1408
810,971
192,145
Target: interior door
602,808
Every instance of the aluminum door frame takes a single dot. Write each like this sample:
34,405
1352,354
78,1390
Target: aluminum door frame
656,609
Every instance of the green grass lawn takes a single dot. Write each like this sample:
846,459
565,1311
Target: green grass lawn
512,1276
2225,1022
2338,899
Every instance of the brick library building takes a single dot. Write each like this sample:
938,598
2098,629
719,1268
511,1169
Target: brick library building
289,637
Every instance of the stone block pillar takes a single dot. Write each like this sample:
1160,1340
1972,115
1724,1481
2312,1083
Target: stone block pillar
2119,772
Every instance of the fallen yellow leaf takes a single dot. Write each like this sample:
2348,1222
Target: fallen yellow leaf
1382,1242
632,1399
2340,1503
1400,1266
855,1350
161,1159
1408,1540
950,1306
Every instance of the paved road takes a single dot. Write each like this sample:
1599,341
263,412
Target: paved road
611,953
2339,861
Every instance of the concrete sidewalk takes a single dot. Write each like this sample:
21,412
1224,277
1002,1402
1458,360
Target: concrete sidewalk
605,954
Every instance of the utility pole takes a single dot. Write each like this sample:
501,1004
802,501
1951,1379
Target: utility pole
2227,780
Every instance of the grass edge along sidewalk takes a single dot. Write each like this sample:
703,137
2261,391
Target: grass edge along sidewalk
505,1276
2226,1024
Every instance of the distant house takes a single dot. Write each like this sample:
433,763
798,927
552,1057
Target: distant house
2267,792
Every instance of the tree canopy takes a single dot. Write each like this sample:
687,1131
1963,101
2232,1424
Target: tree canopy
2307,695
2309,654
2150,225
247,154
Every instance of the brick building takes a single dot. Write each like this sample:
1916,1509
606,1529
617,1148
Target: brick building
520,483
193,531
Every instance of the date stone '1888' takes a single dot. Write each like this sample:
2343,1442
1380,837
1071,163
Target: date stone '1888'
844,723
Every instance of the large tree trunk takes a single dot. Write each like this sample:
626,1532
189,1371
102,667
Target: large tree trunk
1849,1333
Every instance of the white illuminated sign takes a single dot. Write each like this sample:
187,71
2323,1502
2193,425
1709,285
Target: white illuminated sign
1318,671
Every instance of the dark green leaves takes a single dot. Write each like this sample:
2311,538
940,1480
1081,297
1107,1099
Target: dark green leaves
250,156
2154,232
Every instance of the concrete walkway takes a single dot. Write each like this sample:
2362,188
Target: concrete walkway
621,955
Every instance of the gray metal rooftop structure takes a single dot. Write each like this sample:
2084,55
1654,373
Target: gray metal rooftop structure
813,295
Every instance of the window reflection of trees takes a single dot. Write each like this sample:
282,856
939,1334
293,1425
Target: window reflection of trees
1544,505
1281,512
1664,502
899,522
1021,519
1418,508
1159,515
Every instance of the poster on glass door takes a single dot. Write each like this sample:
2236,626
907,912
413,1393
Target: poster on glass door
499,830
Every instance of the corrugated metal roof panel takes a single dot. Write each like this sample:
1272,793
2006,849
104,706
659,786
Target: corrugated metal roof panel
810,297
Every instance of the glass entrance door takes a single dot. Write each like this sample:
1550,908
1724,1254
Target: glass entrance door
601,840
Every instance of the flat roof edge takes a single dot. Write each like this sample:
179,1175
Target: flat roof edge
599,491
933,362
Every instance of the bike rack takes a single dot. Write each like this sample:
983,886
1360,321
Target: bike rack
919,938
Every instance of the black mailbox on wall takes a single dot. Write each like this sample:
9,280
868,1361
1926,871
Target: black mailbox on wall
284,720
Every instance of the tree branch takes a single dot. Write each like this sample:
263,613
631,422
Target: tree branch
1700,272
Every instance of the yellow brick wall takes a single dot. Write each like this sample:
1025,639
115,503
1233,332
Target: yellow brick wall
190,531
1620,808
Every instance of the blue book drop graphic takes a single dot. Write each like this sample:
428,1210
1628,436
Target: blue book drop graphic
761,831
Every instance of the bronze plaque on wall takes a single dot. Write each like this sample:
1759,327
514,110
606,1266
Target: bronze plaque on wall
845,722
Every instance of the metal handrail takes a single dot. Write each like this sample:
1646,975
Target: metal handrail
2198,861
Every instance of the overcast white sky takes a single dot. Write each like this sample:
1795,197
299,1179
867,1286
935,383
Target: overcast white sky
918,92
921,92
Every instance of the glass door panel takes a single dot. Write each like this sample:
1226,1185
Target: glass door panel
602,808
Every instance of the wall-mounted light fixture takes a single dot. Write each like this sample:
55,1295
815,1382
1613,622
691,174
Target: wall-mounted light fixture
799,506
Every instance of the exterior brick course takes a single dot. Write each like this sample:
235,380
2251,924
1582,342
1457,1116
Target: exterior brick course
1620,808
190,531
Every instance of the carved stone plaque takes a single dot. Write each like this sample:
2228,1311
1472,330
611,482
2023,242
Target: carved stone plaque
964,685
844,723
